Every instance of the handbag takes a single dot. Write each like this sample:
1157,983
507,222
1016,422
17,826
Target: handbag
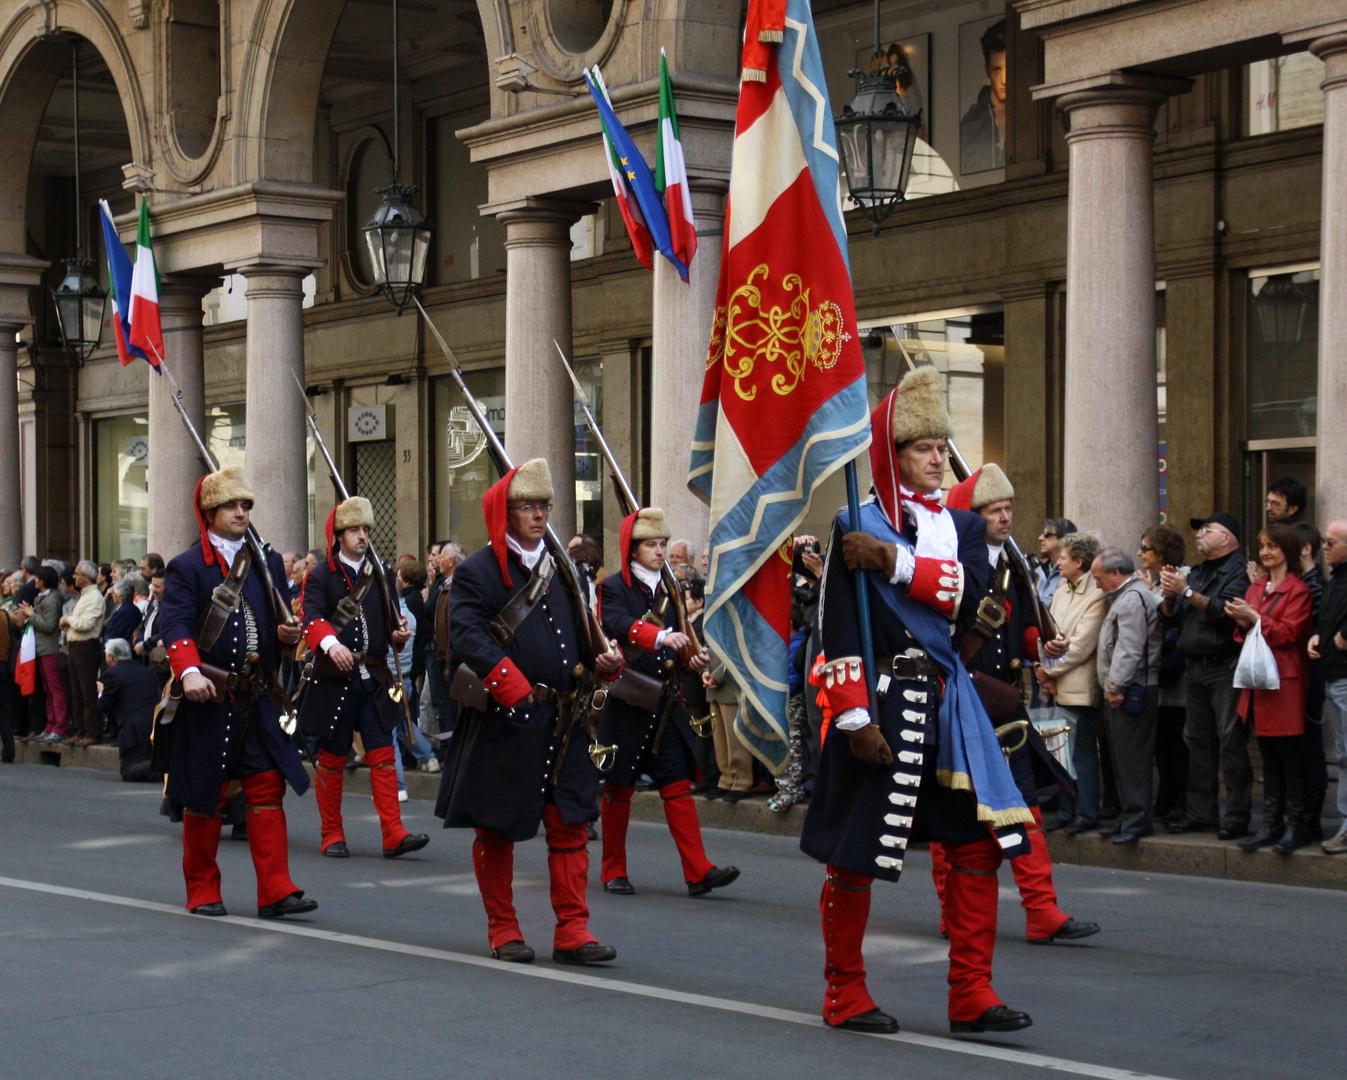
1054,728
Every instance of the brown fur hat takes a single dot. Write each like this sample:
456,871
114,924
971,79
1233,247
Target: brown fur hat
218,488
650,524
532,482
919,408
354,511
992,485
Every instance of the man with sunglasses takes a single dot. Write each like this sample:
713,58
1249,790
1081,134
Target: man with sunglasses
1216,738
1049,547
518,653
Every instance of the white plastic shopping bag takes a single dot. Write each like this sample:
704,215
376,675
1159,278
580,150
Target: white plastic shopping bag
1257,667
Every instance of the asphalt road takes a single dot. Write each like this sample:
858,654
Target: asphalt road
103,975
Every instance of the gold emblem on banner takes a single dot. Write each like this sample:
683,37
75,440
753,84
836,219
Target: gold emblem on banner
744,333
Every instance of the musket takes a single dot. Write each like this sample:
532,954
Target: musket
630,505
1019,565
599,644
260,548
391,617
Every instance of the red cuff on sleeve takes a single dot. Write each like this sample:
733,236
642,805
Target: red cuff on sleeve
316,631
937,583
843,683
1031,637
183,655
507,684
643,634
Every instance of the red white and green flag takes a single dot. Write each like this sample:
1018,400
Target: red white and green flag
671,172
146,332
25,671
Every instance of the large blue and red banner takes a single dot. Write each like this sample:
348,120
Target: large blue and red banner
783,402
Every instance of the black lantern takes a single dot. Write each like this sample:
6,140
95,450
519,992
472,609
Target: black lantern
397,236
80,303
1281,305
79,298
877,135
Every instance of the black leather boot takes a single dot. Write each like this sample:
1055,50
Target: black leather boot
1314,813
1274,824
1295,835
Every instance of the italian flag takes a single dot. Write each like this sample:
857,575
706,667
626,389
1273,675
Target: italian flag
618,173
671,172
146,333
25,672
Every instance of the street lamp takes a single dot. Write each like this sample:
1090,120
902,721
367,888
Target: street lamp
397,236
876,135
79,299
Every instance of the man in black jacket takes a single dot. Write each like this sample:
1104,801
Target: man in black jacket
1330,644
1213,731
127,694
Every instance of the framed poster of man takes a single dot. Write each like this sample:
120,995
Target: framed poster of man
909,61
982,95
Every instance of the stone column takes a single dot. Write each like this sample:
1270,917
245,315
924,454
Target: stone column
1111,430
276,455
1332,419
18,275
539,398
681,330
174,466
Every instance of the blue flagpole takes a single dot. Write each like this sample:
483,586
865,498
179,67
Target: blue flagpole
862,594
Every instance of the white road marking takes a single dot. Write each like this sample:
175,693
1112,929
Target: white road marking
101,842
596,982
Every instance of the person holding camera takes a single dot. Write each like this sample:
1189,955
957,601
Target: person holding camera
1128,662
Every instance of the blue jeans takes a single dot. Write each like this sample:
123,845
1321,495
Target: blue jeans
1085,760
420,747
1335,705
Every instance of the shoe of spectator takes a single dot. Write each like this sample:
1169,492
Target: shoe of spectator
69,740
1110,831
716,878
735,796
1235,830
779,804
1123,838
1079,825
430,765
1338,844
294,904
1053,824
713,793
402,795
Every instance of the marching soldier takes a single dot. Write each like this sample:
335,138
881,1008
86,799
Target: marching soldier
1001,639
518,662
634,610
924,762
347,608
223,708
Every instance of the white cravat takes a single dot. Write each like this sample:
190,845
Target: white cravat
937,537
331,639
227,548
651,579
528,558
994,554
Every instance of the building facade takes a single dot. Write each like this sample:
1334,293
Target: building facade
1123,248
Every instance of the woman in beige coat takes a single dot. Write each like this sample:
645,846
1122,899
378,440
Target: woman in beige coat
1068,675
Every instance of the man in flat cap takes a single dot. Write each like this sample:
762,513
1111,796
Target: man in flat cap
519,656
350,621
923,760
637,612
222,713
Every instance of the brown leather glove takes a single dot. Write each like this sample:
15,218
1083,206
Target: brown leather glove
865,552
870,746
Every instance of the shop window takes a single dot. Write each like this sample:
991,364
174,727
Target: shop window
121,496
461,464
1283,93
968,350
1283,354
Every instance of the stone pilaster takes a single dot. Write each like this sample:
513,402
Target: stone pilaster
174,466
18,275
1332,419
276,457
681,329
539,398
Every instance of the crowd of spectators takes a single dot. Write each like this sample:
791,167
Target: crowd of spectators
1142,673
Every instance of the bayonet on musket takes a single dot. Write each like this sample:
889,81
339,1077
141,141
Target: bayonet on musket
1047,626
630,504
